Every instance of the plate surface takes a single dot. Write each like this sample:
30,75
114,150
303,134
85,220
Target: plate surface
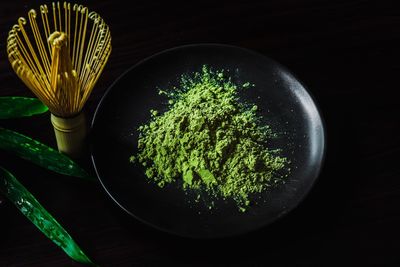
283,102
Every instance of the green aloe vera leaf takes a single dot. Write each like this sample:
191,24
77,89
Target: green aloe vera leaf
36,213
40,154
16,107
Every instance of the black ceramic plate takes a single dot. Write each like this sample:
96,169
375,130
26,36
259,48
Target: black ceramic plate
283,102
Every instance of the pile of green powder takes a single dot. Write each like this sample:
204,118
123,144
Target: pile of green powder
209,140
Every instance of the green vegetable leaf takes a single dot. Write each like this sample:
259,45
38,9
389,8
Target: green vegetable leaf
16,107
40,154
35,212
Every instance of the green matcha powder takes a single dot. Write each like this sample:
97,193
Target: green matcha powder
210,141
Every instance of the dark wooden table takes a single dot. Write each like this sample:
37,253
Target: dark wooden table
346,51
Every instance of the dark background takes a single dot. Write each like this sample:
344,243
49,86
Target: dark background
346,52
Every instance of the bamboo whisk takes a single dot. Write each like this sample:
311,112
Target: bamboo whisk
59,56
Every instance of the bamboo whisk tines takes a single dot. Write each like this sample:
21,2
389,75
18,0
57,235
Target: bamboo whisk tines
59,54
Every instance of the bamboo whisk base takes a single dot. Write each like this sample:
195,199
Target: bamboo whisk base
70,134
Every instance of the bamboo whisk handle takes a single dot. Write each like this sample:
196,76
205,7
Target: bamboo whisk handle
70,134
